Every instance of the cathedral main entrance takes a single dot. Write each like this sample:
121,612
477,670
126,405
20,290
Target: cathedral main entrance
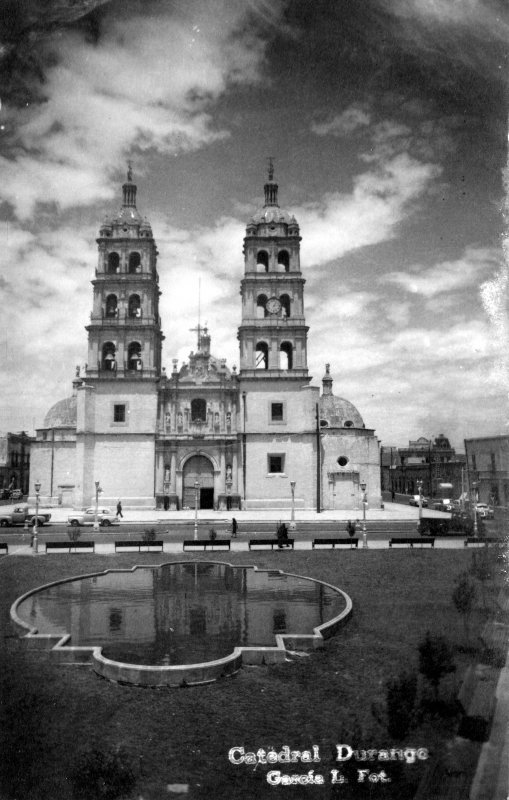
198,469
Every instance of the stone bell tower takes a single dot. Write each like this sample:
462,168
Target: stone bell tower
124,335
273,332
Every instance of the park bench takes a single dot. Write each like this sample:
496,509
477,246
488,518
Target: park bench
481,540
422,540
138,547
4,547
222,544
335,542
270,543
70,547
495,636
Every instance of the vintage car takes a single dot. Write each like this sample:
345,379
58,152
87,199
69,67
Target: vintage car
17,515
414,501
484,510
105,517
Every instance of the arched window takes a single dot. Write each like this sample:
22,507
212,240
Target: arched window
134,262
134,356
286,358
198,410
261,302
111,306
109,360
285,305
262,261
134,306
113,263
283,259
262,355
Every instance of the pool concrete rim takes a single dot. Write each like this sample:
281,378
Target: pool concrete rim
178,674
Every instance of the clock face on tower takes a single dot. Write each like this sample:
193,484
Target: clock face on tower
273,305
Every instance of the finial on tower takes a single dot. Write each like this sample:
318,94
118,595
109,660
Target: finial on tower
129,171
327,381
129,188
271,186
271,167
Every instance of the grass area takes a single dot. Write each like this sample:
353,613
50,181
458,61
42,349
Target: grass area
51,713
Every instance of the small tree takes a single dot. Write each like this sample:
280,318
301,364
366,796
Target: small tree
102,775
483,567
149,535
435,660
400,699
74,533
463,597
212,534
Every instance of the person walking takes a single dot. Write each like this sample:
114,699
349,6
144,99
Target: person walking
350,527
119,510
234,528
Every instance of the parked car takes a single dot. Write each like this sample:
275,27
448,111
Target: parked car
16,494
441,505
17,515
414,501
105,517
485,511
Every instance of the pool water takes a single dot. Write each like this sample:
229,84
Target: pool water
181,613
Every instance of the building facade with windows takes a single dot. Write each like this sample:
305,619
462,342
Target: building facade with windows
488,469
433,462
14,462
203,433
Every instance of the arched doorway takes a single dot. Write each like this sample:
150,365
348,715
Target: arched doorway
198,469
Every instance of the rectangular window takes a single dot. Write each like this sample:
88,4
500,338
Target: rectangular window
276,463
276,412
118,413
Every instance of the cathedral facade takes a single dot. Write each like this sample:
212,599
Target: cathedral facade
202,434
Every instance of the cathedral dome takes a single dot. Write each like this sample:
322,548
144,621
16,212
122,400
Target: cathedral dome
336,412
62,414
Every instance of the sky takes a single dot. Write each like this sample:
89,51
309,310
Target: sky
387,123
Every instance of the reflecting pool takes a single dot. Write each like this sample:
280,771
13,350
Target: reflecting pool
180,613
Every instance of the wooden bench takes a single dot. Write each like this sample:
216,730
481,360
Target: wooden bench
482,540
335,542
4,547
70,547
272,543
222,544
138,547
422,540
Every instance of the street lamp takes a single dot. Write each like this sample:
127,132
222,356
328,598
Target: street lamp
419,489
364,501
96,516
292,516
474,487
196,488
36,529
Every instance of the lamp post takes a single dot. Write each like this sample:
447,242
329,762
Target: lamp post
196,488
96,515
419,488
474,495
364,501
35,543
292,515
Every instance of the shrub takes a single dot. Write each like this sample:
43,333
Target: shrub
212,534
102,775
400,698
74,533
435,659
463,597
149,535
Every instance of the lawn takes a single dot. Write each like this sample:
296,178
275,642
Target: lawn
52,713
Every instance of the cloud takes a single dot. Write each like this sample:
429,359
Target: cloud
381,199
149,82
447,276
355,116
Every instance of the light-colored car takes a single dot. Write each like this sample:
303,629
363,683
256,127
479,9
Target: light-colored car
17,515
105,517
485,511
414,501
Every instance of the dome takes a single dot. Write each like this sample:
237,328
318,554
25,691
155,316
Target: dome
273,214
62,414
338,413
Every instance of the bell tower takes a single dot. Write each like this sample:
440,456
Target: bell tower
124,334
273,331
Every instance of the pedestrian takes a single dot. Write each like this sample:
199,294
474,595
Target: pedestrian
350,527
119,510
393,495
234,527
282,536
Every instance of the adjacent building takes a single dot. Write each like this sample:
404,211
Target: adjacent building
488,469
434,463
14,462
202,433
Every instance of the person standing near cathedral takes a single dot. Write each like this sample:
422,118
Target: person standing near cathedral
119,510
234,528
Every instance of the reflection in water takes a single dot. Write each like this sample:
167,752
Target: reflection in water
181,613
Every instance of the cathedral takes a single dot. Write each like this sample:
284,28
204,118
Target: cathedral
201,434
